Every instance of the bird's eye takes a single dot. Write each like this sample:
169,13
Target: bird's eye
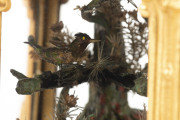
83,38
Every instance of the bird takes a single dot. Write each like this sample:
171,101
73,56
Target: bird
61,54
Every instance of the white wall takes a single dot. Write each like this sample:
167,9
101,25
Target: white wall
15,26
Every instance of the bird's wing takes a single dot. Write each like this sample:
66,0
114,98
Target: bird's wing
57,42
56,49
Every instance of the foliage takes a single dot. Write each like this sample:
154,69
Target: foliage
113,68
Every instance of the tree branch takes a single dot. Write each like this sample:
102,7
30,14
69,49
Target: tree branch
73,75
98,18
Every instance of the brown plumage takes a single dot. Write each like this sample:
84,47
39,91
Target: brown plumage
63,53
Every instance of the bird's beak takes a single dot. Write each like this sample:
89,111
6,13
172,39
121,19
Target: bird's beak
93,41
26,42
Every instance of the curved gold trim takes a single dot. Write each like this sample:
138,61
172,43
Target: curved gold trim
5,5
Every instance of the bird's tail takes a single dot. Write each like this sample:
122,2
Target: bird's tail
32,42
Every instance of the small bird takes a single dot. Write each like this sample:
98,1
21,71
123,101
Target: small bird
63,55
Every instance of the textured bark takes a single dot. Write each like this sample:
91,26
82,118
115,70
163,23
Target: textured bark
110,102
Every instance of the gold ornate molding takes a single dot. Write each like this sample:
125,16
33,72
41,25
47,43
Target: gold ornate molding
164,58
172,4
39,105
5,5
